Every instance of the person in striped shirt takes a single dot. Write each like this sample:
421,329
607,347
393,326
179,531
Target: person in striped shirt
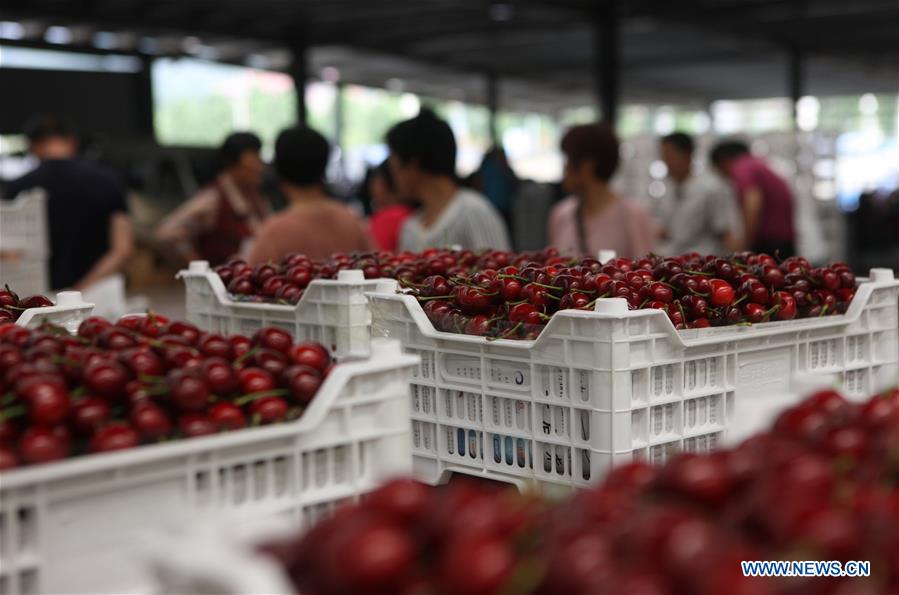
423,163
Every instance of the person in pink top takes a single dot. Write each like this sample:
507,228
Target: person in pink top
594,217
766,199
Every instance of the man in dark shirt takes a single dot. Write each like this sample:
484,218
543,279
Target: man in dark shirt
91,235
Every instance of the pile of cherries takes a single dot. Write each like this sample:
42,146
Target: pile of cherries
286,281
11,306
516,301
822,484
142,380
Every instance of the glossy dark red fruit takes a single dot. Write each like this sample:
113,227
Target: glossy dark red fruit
220,376
310,354
42,445
227,416
188,389
253,380
88,413
114,436
106,378
273,338
193,425
150,421
269,409
303,382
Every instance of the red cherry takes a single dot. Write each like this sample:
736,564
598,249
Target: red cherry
115,436
269,409
370,554
216,346
42,445
488,564
106,378
303,383
193,425
150,420
141,361
310,354
253,380
405,500
702,479
187,331
227,416
273,338
47,401
115,338
220,376
274,362
8,458
89,413
240,344
188,389
722,294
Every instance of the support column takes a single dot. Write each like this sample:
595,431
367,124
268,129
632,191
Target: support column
493,106
299,71
143,95
339,120
607,58
795,81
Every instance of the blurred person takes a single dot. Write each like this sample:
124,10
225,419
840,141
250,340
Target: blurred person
91,233
765,197
389,211
423,163
215,224
498,181
313,223
594,217
698,211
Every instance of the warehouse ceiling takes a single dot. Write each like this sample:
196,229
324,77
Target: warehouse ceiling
689,51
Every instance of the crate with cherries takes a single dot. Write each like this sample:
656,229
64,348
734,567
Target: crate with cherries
821,484
143,379
285,282
12,306
516,301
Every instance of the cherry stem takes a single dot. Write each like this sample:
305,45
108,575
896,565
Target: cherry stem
8,398
11,412
743,297
250,353
249,398
433,297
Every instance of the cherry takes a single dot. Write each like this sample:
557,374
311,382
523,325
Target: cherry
149,420
106,378
115,338
269,409
47,400
227,416
303,382
722,294
141,361
114,436
188,389
274,362
262,273
240,344
92,326
703,479
88,413
42,445
754,312
8,298
272,285
300,276
220,376
213,345
273,338
181,356
370,554
8,458
253,380
488,564
405,500
241,286
187,331
35,301
194,425
310,354
9,432
525,313
289,293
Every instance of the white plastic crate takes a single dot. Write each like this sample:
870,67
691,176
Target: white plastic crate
26,275
596,389
77,526
23,225
68,311
333,312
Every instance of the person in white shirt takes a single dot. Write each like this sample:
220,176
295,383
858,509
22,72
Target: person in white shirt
698,211
423,163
